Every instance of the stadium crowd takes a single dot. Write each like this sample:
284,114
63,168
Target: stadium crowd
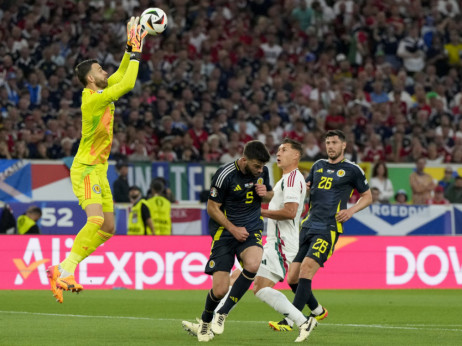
386,72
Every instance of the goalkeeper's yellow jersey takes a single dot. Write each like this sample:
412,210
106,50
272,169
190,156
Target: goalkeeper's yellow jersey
98,113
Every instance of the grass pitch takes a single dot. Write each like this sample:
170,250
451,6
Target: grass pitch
128,317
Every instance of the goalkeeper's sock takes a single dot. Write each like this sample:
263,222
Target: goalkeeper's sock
83,244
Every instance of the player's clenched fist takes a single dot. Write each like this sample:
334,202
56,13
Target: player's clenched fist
260,189
240,233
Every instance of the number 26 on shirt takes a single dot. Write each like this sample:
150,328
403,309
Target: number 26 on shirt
325,183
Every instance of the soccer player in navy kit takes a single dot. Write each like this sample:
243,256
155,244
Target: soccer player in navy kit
236,226
330,183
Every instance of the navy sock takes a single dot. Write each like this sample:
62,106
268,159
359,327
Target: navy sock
293,287
241,285
303,293
210,304
312,302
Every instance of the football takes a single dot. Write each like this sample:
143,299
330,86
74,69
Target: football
154,21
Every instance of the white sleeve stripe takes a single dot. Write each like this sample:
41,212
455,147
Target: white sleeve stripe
356,165
224,173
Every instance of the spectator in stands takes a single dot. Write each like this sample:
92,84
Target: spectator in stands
412,50
27,223
438,196
421,183
20,151
166,152
454,191
448,178
374,150
120,187
381,181
375,195
4,151
339,50
310,147
401,197
234,152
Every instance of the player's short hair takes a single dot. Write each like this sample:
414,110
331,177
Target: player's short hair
296,145
333,133
33,209
82,69
256,150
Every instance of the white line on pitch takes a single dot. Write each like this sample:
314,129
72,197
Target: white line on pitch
409,327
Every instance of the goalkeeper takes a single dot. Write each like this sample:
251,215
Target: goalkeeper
89,169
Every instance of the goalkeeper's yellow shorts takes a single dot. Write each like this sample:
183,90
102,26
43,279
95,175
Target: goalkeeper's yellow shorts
90,185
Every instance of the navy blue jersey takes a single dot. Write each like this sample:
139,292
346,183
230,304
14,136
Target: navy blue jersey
331,188
236,193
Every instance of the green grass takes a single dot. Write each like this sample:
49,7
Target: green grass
127,317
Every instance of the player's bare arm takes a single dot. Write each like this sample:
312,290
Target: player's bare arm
214,211
364,201
287,213
308,186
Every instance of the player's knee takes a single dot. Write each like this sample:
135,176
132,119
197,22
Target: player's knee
108,226
252,266
220,291
95,222
292,280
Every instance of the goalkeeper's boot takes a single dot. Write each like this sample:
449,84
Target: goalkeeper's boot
321,316
306,328
53,274
204,332
190,327
281,326
218,323
69,284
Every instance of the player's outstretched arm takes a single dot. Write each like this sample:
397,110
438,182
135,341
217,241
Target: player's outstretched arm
128,81
117,76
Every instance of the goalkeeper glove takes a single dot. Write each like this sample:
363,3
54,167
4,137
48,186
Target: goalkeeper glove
137,39
129,33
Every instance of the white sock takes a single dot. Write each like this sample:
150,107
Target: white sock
223,300
318,310
281,304
64,274
289,321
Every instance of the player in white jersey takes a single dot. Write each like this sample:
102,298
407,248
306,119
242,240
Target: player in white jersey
284,214
282,240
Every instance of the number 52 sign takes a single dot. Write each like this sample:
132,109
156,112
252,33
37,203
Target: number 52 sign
60,217
57,217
